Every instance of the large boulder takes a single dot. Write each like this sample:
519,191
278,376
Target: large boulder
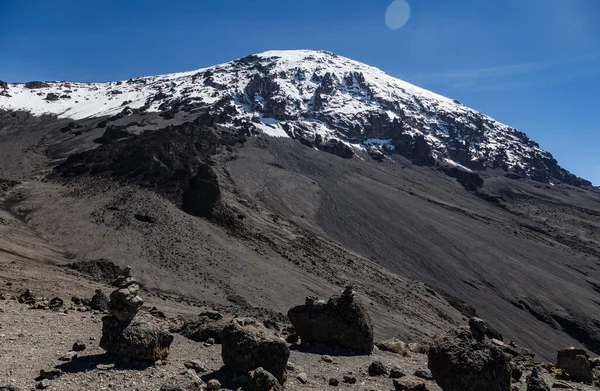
137,340
342,321
204,327
575,363
459,362
248,345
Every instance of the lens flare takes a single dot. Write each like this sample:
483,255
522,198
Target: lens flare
397,14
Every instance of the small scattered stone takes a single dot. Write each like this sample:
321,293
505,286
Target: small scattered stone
43,385
68,356
409,385
377,369
396,373
78,346
105,367
349,379
424,374
213,384
327,358
302,378
562,384
262,380
196,365
50,374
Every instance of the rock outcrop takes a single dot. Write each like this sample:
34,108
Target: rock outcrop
342,321
575,363
248,345
459,362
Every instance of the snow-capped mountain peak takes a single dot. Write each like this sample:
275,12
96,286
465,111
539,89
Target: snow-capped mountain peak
329,101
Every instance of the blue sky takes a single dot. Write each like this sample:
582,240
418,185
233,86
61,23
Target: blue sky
533,64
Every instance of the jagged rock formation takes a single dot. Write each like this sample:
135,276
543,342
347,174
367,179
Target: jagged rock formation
319,98
247,345
342,321
459,362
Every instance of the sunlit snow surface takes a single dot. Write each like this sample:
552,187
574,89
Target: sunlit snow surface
360,92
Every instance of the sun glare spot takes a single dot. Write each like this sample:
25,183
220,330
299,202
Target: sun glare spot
397,14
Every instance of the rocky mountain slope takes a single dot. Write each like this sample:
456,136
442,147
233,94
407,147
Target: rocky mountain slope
289,174
322,99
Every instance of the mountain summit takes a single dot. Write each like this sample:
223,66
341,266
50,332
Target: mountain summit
319,98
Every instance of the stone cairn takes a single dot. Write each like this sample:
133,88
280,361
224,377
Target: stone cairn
124,334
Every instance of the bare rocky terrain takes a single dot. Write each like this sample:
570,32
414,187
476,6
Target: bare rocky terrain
211,215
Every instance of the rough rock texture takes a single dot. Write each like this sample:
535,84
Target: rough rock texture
458,362
535,382
408,384
261,380
124,302
481,329
202,328
99,301
342,321
247,345
138,340
575,362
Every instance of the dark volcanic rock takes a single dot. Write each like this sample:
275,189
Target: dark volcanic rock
136,340
36,84
377,369
458,362
202,194
247,345
204,327
52,97
3,85
99,301
481,329
342,321
261,380
99,269
535,382
575,363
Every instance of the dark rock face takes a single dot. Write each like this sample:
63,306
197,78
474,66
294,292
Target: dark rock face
458,362
136,340
52,97
202,194
99,301
172,161
32,85
261,380
575,363
342,321
247,345
377,368
535,382
469,180
481,330
203,328
3,85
